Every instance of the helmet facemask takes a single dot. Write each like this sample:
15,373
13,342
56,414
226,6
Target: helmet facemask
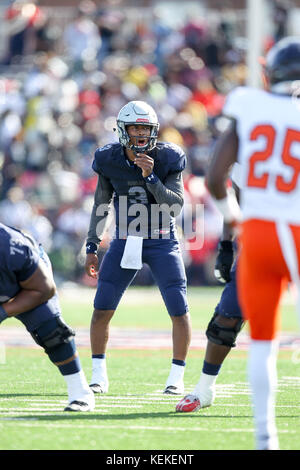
132,141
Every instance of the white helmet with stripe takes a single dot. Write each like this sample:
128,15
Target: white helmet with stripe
135,113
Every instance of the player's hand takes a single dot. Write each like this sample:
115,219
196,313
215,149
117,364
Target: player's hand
92,265
144,162
224,261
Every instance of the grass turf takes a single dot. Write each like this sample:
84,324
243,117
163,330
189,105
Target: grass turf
134,415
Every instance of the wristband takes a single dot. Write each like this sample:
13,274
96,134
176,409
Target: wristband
229,208
91,248
152,178
3,314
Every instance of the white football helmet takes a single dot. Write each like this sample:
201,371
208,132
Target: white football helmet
134,113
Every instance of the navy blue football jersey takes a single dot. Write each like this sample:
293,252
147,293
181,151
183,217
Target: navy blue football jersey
128,185
18,261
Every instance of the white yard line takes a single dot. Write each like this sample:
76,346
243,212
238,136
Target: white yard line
132,427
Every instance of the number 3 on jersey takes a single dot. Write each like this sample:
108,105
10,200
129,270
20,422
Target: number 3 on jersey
137,195
269,133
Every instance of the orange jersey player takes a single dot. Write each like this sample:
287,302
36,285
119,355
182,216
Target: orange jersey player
265,140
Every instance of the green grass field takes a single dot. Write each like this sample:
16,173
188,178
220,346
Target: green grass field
135,415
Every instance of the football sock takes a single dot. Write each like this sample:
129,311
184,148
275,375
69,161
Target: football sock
205,388
63,352
99,371
78,388
178,362
176,373
70,368
263,381
211,369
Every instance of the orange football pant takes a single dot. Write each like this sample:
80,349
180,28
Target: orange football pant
262,276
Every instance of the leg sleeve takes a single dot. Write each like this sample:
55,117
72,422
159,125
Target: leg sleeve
229,305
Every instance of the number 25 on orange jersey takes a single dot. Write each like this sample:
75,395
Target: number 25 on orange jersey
269,133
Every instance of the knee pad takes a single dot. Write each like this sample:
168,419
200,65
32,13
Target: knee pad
52,334
219,334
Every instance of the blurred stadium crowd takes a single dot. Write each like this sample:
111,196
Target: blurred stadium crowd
61,87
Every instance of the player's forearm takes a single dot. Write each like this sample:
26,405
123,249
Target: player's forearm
164,195
217,185
26,300
100,211
97,226
228,232
171,193
223,157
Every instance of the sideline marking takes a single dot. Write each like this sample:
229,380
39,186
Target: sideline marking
138,339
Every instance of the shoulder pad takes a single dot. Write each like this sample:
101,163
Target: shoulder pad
4,238
21,257
240,99
103,156
172,156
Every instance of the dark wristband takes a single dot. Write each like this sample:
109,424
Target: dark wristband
152,178
91,248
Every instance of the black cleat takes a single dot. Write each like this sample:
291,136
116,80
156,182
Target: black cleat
173,390
96,388
78,406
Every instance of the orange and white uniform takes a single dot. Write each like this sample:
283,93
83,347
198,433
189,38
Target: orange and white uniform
268,129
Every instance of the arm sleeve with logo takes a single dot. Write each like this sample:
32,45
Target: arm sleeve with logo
170,192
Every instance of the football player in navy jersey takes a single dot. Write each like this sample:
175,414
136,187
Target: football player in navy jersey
143,178
28,293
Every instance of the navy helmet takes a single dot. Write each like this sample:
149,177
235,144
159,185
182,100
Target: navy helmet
282,62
